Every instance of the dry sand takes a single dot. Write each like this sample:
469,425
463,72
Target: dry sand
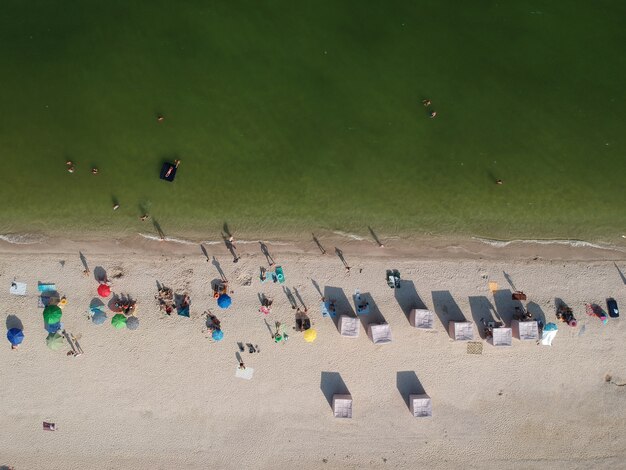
166,397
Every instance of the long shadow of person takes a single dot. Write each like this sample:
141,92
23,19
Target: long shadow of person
158,229
217,265
266,253
319,245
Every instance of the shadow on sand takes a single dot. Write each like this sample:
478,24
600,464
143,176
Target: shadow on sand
331,384
407,384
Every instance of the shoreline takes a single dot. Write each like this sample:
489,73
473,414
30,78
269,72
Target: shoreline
417,247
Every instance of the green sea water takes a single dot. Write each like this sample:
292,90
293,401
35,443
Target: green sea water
290,116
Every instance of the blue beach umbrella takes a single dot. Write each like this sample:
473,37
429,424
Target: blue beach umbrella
15,336
224,301
132,323
99,317
218,335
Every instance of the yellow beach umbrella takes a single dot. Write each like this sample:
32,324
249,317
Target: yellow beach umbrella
310,335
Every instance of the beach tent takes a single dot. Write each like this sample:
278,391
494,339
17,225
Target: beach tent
422,319
549,332
15,336
118,321
55,341
104,290
348,326
379,333
342,406
461,330
501,336
525,330
99,317
132,323
224,301
52,314
310,335
421,405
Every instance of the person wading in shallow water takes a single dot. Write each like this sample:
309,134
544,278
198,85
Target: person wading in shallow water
70,166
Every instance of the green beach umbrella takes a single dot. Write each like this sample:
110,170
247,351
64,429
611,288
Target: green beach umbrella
55,341
52,314
118,321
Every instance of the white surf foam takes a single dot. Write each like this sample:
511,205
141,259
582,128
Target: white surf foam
167,239
572,243
348,235
22,238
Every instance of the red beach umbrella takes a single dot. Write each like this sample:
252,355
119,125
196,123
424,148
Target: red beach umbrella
104,290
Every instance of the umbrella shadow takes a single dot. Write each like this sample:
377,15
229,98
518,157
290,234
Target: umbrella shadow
100,274
446,308
342,304
408,298
482,312
408,384
331,384
537,312
374,316
506,306
269,328
14,322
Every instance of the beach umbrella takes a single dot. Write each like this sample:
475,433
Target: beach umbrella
118,321
310,335
217,335
15,336
54,341
99,317
224,301
132,323
104,290
52,314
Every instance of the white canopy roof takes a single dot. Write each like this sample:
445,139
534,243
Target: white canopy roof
461,331
379,333
348,326
422,319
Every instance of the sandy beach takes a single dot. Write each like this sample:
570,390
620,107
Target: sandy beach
165,396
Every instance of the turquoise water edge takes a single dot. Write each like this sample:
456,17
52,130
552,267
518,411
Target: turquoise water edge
296,116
